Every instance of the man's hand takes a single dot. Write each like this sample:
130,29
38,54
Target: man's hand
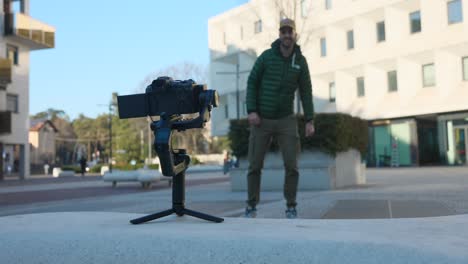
309,129
254,119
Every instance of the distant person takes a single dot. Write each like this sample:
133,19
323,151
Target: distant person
7,162
276,75
83,166
227,163
46,168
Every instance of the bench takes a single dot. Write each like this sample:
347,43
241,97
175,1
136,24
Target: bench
58,172
145,176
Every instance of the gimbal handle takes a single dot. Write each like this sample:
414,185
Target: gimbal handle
174,161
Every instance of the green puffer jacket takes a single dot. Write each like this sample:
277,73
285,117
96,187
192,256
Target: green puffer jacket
273,82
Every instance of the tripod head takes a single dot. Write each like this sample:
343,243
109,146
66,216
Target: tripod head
170,99
175,161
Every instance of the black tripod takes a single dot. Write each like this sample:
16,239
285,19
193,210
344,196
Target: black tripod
173,163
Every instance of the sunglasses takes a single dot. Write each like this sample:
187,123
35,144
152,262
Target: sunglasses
286,30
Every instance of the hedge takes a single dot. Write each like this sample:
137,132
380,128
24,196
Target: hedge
334,133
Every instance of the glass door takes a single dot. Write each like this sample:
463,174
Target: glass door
461,142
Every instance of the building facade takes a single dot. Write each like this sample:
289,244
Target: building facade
400,64
20,35
42,135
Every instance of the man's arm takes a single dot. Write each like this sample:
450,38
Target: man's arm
253,85
305,90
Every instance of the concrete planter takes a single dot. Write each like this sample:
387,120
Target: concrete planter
145,176
318,171
58,172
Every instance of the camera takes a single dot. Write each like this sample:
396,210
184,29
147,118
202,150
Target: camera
171,99
165,95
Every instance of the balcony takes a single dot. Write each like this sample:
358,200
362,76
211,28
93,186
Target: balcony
5,122
28,31
5,72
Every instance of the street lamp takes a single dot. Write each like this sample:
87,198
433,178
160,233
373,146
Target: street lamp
237,73
110,137
234,59
111,105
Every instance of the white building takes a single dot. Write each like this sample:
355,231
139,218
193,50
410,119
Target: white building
401,64
20,35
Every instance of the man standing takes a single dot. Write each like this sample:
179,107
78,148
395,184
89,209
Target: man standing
83,165
271,87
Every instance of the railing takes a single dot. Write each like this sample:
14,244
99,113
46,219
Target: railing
5,71
21,25
5,122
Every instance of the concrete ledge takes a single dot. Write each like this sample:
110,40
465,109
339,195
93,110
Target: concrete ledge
58,172
89,237
143,176
273,179
317,170
67,173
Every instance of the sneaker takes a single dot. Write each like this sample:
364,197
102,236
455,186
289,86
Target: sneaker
291,213
250,212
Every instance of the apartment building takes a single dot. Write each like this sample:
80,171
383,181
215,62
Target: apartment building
20,35
400,64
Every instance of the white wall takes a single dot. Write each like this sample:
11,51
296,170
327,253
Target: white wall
438,43
19,86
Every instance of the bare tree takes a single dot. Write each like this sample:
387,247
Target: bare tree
194,140
299,11
181,71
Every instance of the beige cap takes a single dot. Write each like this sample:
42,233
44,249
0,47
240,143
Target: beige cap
286,22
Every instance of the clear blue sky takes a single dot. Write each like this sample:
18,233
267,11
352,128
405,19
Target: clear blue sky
107,46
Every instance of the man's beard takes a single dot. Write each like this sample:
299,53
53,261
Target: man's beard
287,46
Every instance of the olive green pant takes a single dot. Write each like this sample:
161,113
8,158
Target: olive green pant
285,131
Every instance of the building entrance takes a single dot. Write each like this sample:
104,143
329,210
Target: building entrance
460,134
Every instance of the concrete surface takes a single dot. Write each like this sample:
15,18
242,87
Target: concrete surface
88,222
90,237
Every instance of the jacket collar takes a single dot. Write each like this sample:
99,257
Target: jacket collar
276,47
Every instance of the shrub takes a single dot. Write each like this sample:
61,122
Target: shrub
195,161
153,166
334,133
96,168
76,169
127,167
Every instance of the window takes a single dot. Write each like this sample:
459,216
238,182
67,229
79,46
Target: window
350,36
428,75
328,4
258,26
415,22
12,103
332,92
304,8
12,54
323,47
454,11
360,86
392,81
465,68
226,111
381,31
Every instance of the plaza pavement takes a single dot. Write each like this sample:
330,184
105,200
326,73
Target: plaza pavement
421,199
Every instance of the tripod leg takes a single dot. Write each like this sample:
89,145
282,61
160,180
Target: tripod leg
203,216
151,217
